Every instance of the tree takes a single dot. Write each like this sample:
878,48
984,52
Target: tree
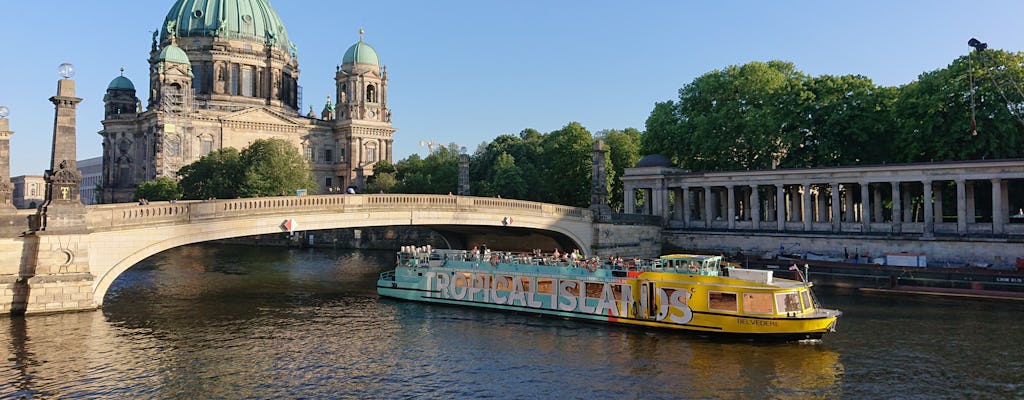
273,166
381,182
506,180
623,152
217,175
739,117
972,109
161,189
567,163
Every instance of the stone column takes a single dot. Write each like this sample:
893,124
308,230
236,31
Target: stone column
730,197
897,208
780,206
908,207
463,175
876,206
677,204
63,210
6,189
685,194
972,211
755,207
805,210
998,216
837,220
929,212
961,206
628,199
937,190
707,206
598,183
865,206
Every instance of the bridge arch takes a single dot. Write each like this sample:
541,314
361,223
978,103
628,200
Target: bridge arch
125,234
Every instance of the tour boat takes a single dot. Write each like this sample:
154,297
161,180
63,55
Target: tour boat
681,291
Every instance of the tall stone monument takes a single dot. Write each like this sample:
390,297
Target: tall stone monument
63,211
463,175
6,189
599,184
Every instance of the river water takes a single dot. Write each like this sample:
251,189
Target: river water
220,321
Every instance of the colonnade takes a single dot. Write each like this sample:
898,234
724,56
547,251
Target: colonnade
975,197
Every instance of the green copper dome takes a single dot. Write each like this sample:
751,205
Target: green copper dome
172,53
121,83
361,53
253,20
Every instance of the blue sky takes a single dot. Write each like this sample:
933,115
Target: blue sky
467,71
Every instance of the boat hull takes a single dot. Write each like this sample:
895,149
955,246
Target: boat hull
650,300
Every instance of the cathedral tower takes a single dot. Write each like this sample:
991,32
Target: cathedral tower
362,114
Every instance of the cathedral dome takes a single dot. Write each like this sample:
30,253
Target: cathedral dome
121,83
173,53
361,53
252,20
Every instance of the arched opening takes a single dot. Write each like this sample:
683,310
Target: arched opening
371,93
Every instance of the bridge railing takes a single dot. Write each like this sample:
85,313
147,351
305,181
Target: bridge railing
113,216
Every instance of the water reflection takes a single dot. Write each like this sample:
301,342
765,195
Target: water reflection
238,322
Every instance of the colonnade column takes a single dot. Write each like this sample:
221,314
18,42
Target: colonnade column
836,215
780,206
961,206
707,206
876,206
929,212
897,207
731,198
865,206
628,199
685,194
937,215
998,221
755,207
969,202
805,214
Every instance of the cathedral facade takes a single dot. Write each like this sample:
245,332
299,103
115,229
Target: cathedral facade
223,73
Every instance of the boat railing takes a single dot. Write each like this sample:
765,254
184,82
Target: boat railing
387,275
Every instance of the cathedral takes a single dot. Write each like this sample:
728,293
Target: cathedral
223,73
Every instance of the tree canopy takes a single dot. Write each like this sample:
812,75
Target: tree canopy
267,167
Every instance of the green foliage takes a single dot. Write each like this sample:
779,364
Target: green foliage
267,167
272,166
161,189
567,161
436,174
506,179
623,152
217,175
381,182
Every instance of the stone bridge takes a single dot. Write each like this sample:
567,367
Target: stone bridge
51,272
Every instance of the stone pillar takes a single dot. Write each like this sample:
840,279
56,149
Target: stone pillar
707,206
961,206
972,211
746,203
897,208
876,206
998,216
628,199
463,175
865,206
63,210
908,207
938,203
755,207
684,192
730,197
677,204
598,183
837,223
6,189
929,212
805,209
780,206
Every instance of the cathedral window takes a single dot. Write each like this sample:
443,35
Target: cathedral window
370,155
371,94
233,82
248,83
328,156
328,182
206,146
309,153
341,155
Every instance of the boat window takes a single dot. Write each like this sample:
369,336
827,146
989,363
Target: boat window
806,295
573,289
787,302
757,303
544,285
524,282
503,282
594,289
722,301
465,281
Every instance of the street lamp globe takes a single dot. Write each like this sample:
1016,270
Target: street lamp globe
4,111
66,70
